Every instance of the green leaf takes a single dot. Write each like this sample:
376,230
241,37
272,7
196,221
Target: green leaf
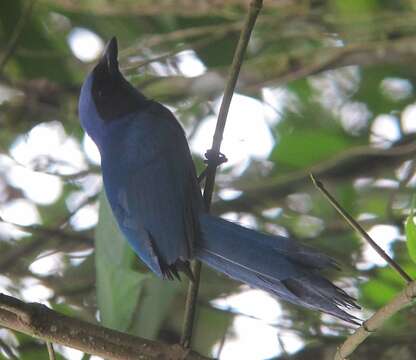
376,293
156,303
305,147
118,286
410,228
353,7
128,300
385,283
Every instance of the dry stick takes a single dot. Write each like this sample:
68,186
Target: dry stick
38,321
357,227
51,352
404,298
255,6
12,45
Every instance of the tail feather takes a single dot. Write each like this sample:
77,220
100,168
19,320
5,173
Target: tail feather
273,263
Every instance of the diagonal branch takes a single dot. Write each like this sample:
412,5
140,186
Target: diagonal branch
358,228
38,321
371,325
399,302
290,67
255,6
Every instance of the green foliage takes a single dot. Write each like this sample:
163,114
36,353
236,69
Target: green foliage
301,149
378,292
118,285
383,285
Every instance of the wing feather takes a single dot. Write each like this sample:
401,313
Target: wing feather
157,204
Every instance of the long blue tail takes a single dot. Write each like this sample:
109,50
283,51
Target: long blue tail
273,263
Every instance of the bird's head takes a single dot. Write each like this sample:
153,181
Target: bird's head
106,96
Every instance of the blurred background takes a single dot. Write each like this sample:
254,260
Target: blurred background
327,87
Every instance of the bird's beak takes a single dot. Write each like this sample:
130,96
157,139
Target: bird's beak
109,58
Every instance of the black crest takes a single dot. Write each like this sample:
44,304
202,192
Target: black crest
113,95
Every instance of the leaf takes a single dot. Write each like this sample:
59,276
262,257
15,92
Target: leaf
376,293
350,8
156,304
385,283
410,228
305,147
118,286
128,300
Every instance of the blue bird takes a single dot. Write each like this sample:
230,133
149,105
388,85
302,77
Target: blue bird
151,184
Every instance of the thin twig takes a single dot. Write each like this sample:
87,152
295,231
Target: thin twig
182,35
221,345
403,299
216,33
255,6
51,352
14,40
49,232
195,45
357,227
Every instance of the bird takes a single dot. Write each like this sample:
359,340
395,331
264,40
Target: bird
152,187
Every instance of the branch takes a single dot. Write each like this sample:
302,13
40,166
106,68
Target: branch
398,303
38,321
49,232
181,35
255,6
227,9
292,67
41,238
357,227
402,300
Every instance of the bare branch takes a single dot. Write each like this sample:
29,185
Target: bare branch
357,227
38,321
255,6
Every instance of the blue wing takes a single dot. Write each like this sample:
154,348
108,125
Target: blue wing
151,185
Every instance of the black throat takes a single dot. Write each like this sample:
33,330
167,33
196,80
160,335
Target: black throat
114,97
